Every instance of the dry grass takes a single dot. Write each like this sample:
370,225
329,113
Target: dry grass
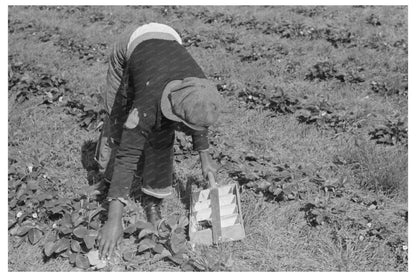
378,169
279,237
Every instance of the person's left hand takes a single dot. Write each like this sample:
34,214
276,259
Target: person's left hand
207,164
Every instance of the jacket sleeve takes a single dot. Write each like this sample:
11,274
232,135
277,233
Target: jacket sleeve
117,62
200,140
126,160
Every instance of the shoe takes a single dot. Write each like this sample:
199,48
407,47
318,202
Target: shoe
152,206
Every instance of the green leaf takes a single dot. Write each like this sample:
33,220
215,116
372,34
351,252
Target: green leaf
66,253
146,244
163,231
65,230
34,235
93,258
62,245
144,225
75,246
77,219
160,249
95,225
13,231
81,232
51,203
178,242
12,221
49,248
77,206
64,201
89,241
165,253
72,257
22,219
43,197
129,256
57,209
32,185
183,221
172,221
92,205
145,232
23,230
187,267
13,203
177,259
131,229
66,220
92,233
179,230
81,261
319,219
92,214
277,191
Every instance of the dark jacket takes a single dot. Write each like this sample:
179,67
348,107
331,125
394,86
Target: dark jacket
152,65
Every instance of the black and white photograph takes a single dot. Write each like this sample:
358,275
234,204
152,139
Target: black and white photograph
207,137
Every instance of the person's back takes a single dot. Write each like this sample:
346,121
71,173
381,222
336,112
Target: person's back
161,86
152,65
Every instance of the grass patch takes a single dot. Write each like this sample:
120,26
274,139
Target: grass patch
379,169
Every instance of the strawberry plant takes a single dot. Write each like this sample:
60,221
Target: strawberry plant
25,82
89,114
391,133
71,224
166,241
260,51
373,20
326,116
292,30
309,11
76,230
401,44
227,88
390,88
377,42
278,102
87,53
28,218
197,40
315,214
322,71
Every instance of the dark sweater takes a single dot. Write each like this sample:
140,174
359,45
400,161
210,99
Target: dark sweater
152,65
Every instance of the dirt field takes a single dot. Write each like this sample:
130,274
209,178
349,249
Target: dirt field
314,130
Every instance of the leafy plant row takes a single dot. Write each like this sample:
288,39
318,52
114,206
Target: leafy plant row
334,35
393,132
26,82
70,226
88,53
322,114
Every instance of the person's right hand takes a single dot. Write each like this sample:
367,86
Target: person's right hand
108,237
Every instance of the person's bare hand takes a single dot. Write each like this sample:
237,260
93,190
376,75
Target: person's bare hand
111,233
207,164
108,238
